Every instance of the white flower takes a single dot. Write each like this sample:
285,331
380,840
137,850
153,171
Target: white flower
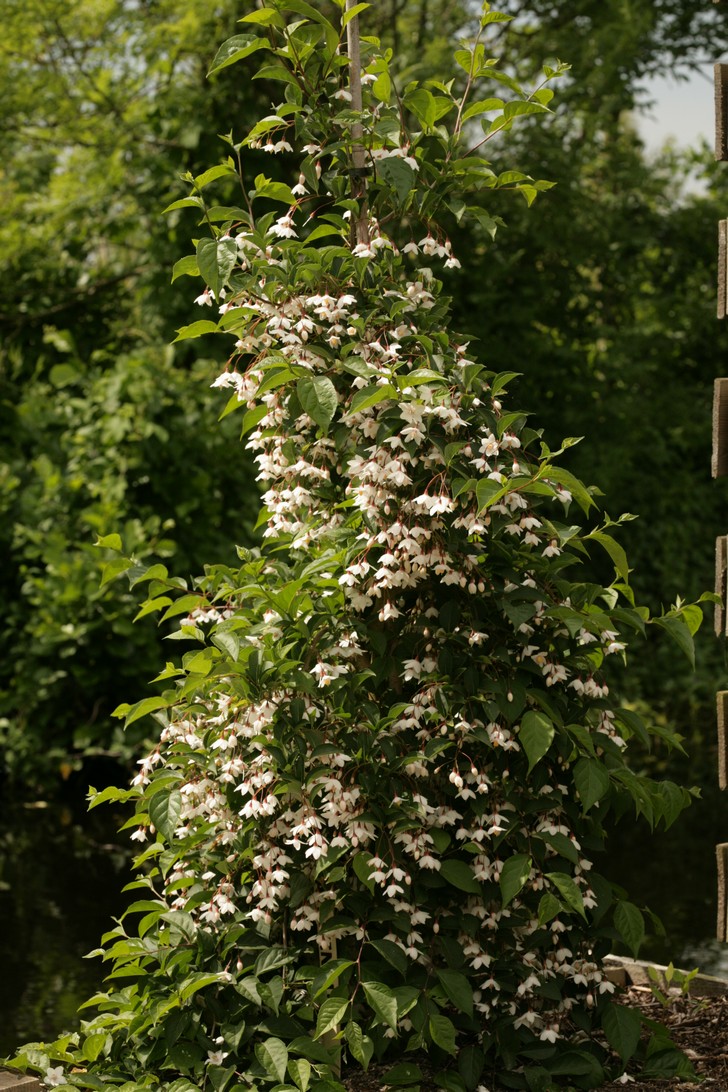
284,228
216,1057
54,1076
279,146
345,96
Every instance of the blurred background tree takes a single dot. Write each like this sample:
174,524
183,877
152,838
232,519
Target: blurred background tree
105,427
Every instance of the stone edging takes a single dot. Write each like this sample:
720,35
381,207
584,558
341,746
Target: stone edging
635,972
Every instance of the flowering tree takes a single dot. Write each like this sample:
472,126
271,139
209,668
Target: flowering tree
385,766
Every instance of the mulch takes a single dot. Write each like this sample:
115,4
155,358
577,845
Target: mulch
698,1026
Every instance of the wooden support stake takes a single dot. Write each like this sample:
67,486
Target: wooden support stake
358,155
721,111
722,268
719,456
722,859
722,710
720,584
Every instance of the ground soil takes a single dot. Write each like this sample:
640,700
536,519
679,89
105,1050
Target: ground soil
698,1026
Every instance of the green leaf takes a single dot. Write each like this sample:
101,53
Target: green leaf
622,1028
405,1073
216,259
382,1002
459,874
486,492
536,735
370,396
443,1033
518,108
164,811
114,568
109,542
317,395
300,1072
196,329
93,1045
330,1014
680,633
392,953
548,908
574,486
274,191
398,174
615,551
266,17
360,1045
273,1056
212,174
272,959
140,709
382,87
630,925
197,982
514,874
568,890
185,203
458,990
235,49
591,778
363,870
471,1063
352,12
482,107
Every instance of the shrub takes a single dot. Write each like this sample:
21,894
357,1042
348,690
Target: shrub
384,769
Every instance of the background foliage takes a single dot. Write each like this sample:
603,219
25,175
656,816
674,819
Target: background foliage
604,300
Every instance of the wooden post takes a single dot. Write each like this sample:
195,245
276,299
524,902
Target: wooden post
722,924
722,718
721,111
722,268
719,458
719,467
359,164
720,584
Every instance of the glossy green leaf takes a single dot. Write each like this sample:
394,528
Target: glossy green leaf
442,1031
630,924
273,1056
458,990
459,874
536,735
317,395
513,877
330,1014
382,1002
568,890
591,778
164,811
622,1027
